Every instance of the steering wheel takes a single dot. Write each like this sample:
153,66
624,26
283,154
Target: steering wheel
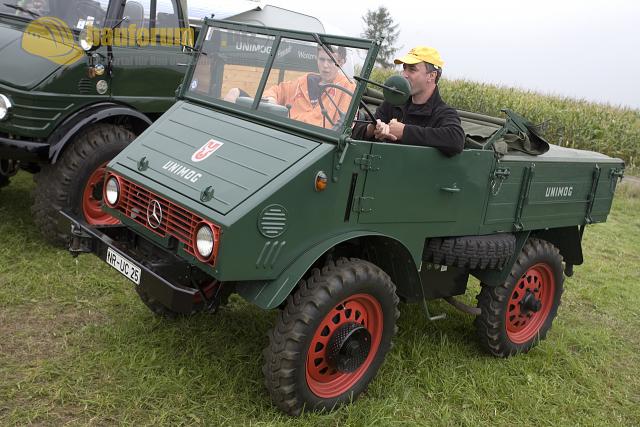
341,114
276,109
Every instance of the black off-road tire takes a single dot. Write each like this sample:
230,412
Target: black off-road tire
7,170
503,327
61,186
472,252
336,288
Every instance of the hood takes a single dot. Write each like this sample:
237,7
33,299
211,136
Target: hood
204,154
19,68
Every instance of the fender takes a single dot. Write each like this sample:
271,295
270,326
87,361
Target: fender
568,240
270,294
86,117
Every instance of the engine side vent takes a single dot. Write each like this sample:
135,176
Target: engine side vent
272,221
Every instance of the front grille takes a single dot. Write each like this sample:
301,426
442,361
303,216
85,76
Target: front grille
176,221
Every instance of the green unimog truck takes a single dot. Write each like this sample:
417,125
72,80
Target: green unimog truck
71,99
232,194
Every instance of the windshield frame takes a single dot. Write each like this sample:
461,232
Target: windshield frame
269,119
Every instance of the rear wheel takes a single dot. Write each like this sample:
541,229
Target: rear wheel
516,315
75,182
331,338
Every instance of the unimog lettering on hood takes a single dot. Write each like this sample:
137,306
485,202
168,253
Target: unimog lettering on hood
182,171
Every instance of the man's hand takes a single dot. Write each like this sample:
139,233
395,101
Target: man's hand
232,95
396,129
382,133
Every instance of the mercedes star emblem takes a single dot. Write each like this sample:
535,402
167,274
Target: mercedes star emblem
154,214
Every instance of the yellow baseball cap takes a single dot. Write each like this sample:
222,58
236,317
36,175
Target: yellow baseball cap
421,54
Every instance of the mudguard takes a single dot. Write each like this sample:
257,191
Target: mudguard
270,294
88,116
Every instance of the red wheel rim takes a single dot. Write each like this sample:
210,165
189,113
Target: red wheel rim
92,200
324,381
536,286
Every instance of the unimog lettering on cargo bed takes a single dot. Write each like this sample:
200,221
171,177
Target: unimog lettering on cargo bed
333,231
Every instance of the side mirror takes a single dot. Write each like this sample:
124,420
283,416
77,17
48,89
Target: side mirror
396,90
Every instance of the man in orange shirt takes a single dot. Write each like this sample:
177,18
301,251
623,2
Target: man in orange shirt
302,95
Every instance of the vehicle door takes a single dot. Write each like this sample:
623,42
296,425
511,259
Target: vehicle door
419,185
149,60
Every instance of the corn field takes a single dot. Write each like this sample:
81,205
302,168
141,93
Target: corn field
567,122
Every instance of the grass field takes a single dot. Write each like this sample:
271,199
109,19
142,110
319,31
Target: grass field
78,347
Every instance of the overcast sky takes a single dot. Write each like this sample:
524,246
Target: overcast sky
584,49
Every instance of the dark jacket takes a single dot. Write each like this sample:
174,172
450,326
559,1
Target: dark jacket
433,124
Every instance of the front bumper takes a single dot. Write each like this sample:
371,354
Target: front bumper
23,150
176,298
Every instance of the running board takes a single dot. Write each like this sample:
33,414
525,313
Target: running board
474,311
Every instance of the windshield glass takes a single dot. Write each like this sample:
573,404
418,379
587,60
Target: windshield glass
303,84
75,13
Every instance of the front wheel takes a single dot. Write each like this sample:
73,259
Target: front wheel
331,337
517,314
74,183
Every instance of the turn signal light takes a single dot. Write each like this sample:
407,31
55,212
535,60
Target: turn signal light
321,181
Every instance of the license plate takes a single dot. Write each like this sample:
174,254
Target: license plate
123,265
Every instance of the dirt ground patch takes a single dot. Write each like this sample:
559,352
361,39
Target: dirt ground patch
31,335
38,332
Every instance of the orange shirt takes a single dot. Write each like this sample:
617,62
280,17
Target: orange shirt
296,94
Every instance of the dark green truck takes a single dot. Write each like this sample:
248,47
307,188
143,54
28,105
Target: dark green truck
218,197
69,102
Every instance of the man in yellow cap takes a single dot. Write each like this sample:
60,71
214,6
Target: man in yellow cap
425,119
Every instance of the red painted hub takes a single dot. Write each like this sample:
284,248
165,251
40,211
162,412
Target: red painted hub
530,303
92,199
324,380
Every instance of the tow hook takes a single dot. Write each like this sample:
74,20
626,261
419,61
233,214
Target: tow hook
80,242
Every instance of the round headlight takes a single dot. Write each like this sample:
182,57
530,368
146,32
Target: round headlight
112,191
205,241
85,39
5,105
